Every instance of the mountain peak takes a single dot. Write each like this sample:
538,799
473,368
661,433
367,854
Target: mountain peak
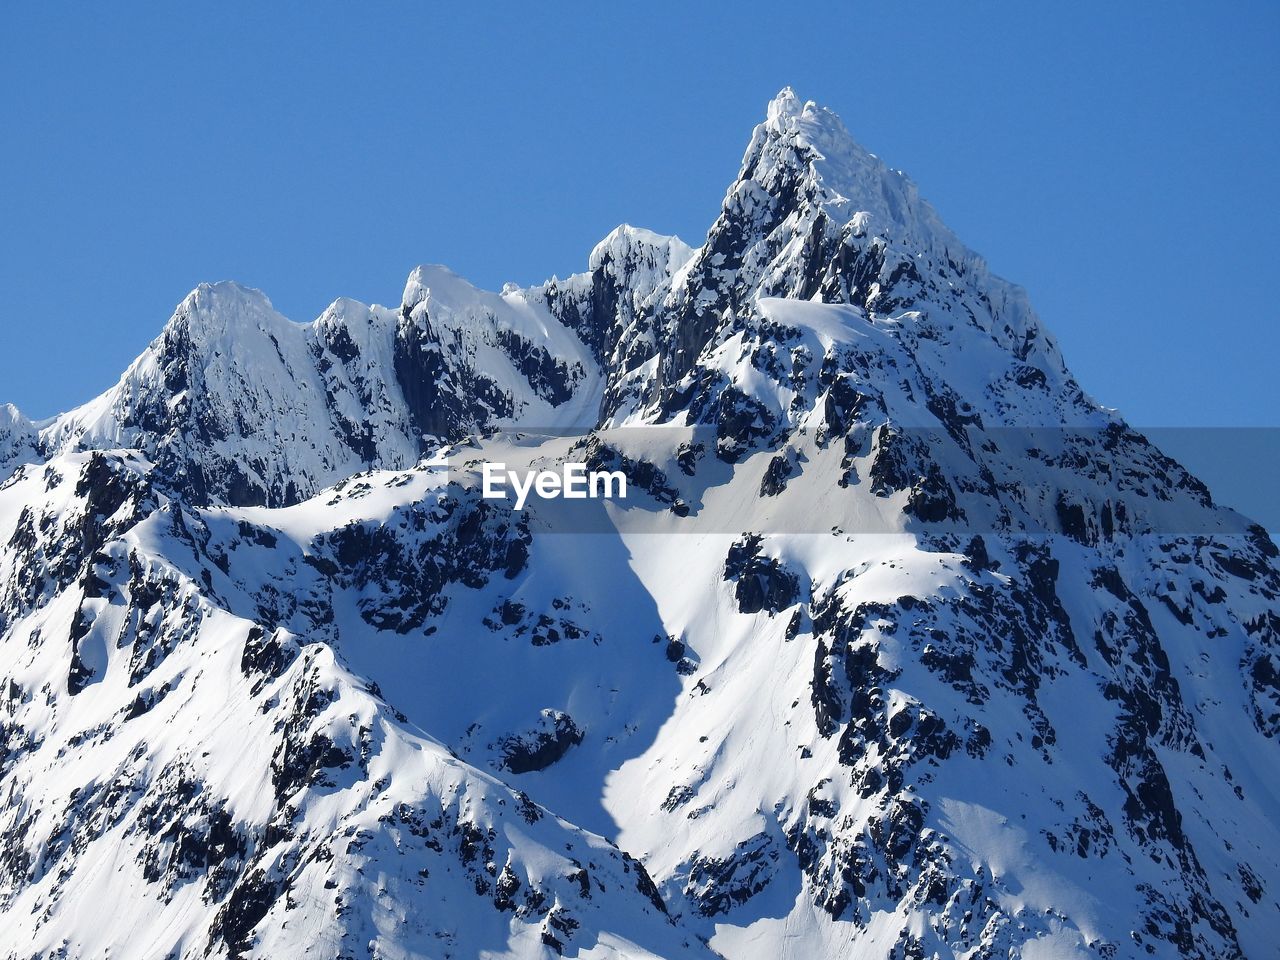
810,123
220,312
17,438
787,113
226,292
784,104
807,148
437,283
625,242
9,414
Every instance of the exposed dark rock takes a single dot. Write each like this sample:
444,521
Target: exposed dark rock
761,583
717,886
541,746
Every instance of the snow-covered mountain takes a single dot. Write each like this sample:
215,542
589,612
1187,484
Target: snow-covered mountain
900,646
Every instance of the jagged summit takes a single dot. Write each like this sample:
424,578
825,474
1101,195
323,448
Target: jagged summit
667,253
12,418
840,173
811,216
224,301
220,317
804,170
786,104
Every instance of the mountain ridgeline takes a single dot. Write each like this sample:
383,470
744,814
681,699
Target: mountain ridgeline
934,656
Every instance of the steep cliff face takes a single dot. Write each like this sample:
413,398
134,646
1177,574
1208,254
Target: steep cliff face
900,646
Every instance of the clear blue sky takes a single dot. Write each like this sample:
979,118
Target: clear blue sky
1117,159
